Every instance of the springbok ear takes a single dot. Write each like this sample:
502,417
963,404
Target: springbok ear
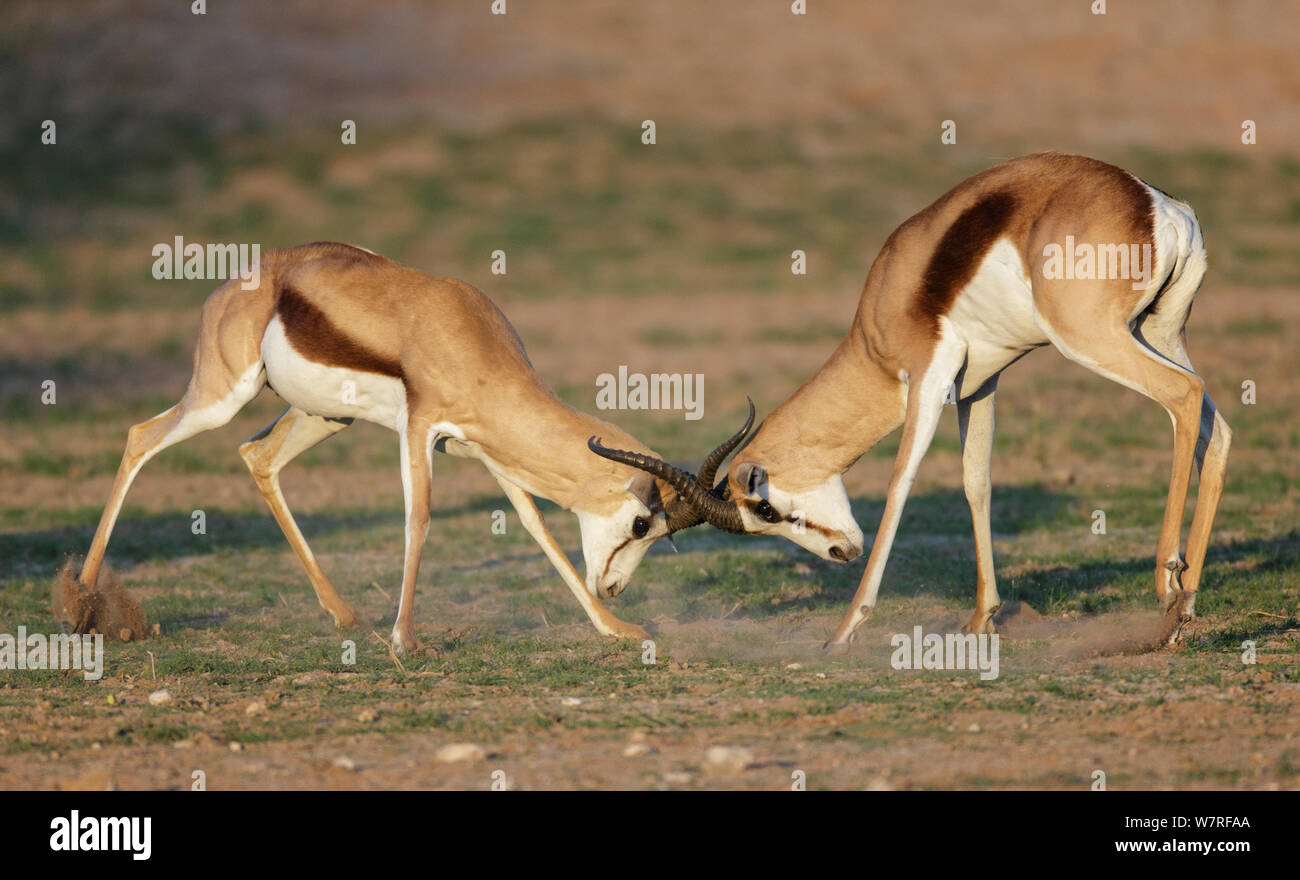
752,476
645,489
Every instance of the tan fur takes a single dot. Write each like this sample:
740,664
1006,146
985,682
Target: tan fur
869,385
459,361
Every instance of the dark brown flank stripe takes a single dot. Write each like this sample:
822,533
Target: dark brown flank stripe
957,256
1139,196
317,339
1143,216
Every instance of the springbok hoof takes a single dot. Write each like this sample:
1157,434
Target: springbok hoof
629,631
974,627
345,617
1180,608
405,644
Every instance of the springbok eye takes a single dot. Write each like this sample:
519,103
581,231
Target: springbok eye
640,526
764,510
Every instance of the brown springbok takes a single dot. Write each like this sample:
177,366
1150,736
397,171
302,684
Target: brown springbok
341,333
1047,248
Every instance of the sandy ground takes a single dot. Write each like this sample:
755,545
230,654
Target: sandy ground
741,696
756,686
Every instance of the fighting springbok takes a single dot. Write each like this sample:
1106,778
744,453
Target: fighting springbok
341,333
1047,248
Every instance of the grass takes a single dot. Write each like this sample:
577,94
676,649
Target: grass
692,238
237,621
580,208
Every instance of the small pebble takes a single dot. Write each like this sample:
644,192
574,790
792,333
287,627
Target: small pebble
454,752
732,759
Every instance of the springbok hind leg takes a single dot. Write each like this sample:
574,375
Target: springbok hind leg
1211,462
1212,445
210,402
266,453
1114,353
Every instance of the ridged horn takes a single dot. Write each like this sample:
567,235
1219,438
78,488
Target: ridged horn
709,470
696,501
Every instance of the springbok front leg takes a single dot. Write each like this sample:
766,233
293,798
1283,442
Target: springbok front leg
925,400
292,434
975,422
415,452
605,621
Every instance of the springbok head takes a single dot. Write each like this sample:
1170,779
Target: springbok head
758,497
614,542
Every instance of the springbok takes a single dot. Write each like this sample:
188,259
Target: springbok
957,294
341,333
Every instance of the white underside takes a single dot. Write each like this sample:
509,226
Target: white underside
993,316
333,392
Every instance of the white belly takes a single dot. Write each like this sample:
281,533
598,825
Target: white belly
994,315
334,392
